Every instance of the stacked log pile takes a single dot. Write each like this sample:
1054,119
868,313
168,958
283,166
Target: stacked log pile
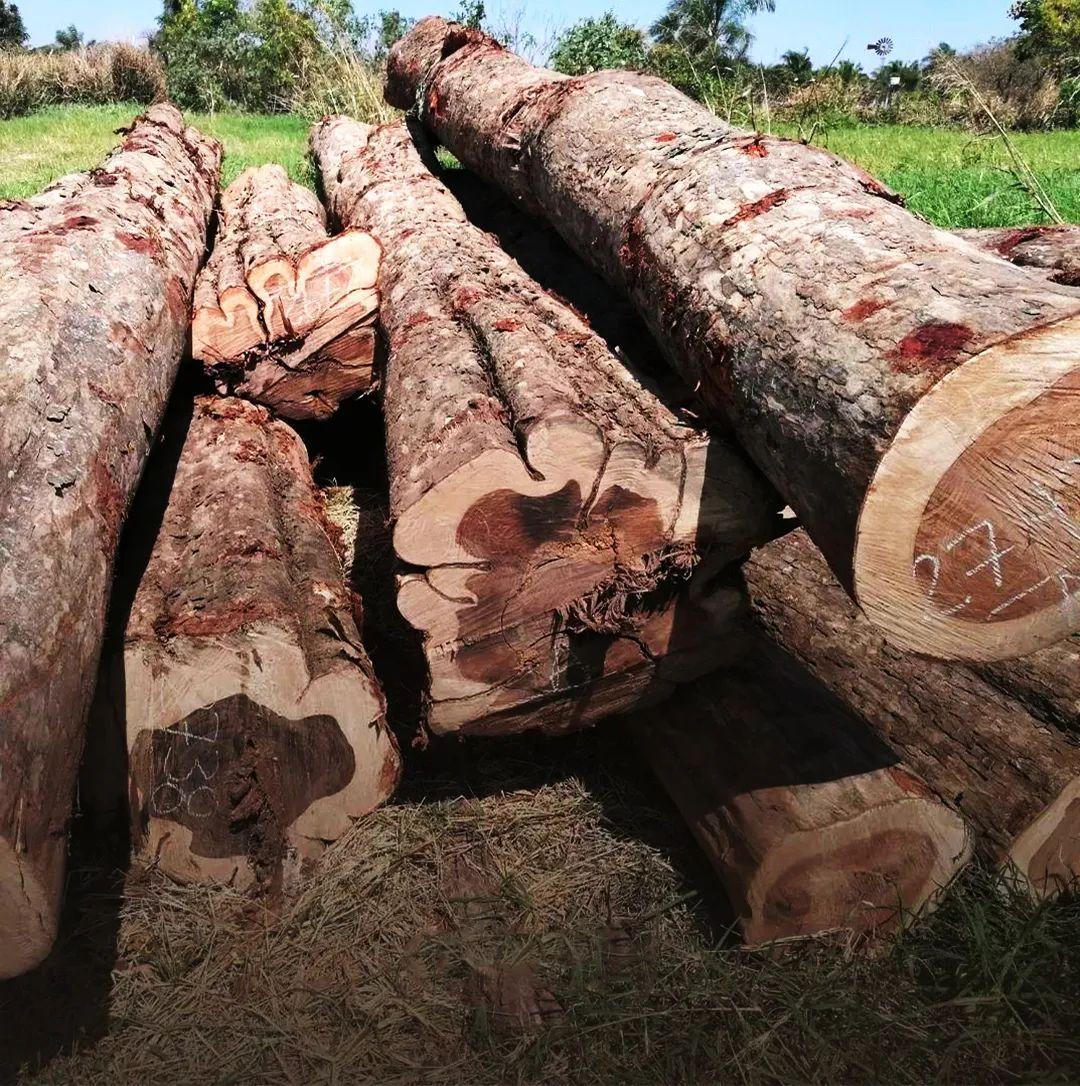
907,393
581,523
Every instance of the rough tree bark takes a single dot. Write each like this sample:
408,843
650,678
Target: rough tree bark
96,277
1052,249
909,395
1047,683
811,824
285,315
1015,780
240,689
551,506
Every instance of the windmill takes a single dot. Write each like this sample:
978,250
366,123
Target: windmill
883,47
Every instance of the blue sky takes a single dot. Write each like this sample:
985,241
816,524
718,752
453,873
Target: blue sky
819,25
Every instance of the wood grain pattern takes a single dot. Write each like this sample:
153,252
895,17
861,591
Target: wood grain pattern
284,315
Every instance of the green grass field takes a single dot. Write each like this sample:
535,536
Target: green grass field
951,177
40,147
955,179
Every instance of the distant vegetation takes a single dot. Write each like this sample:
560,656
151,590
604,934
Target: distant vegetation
702,46
95,74
315,56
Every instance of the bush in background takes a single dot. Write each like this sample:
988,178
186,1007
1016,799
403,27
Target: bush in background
592,45
1018,89
273,56
94,75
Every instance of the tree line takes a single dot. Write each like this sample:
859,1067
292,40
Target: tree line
252,53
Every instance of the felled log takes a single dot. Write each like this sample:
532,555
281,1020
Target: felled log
285,315
96,278
548,504
909,395
1052,249
1046,683
1015,780
252,719
811,823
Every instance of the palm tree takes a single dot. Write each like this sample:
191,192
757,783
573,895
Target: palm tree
850,72
711,33
798,67
909,74
942,52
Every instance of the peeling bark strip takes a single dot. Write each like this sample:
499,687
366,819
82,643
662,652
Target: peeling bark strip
285,315
552,506
1052,249
96,276
251,712
811,824
912,397
1015,781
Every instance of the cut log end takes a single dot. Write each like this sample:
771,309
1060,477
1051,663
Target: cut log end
223,793
332,278
228,330
29,909
969,535
283,314
811,825
860,875
1046,856
255,725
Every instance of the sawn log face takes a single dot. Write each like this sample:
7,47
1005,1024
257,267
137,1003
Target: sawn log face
284,314
549,503
811,822
253,719
1015,780
910,395
96,277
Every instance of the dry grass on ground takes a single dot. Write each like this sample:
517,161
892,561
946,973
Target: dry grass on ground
531,911
97,74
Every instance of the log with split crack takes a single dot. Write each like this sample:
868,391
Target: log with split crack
284,314
550,507
912,397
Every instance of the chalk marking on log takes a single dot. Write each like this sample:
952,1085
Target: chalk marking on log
940,457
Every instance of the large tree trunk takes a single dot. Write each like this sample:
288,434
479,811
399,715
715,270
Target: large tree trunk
239,688
910,395
810,822
1051,249
551,506
285,315
96,277
1047,683
1016,781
